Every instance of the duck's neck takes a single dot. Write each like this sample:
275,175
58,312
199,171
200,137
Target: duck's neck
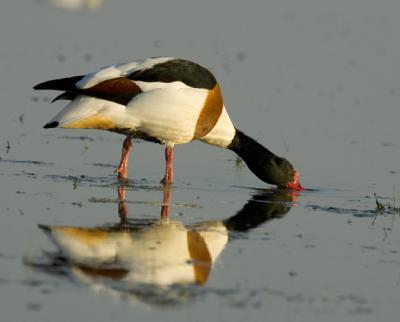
261,161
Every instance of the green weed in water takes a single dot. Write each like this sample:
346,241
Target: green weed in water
75,182
379,206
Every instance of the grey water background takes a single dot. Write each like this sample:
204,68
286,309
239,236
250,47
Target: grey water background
315,81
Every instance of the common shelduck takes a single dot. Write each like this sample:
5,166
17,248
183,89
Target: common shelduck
165,100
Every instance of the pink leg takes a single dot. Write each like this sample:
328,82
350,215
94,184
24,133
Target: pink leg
169,172
165,205
123,165
122,208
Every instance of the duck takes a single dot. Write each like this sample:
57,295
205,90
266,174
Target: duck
165,100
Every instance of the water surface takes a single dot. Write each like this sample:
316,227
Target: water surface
316,82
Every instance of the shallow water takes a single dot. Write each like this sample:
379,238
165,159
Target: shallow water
315,81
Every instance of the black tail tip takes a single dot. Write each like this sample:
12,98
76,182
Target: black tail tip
50,125
45,228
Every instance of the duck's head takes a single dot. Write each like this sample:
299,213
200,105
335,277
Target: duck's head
280,171
266,165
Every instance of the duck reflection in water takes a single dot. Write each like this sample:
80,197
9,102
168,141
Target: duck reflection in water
157,261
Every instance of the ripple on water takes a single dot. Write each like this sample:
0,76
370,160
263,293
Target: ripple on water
344,211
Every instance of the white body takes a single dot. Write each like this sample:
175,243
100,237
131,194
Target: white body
166,111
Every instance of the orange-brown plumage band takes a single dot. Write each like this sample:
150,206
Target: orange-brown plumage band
119,90
210,113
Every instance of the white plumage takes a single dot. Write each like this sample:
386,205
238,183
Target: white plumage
117,70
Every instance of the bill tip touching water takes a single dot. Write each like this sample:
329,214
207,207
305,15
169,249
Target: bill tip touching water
295,184
163,100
